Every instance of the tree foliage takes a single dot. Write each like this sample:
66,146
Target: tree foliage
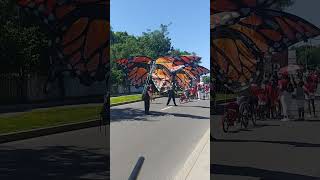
22,42
308,55
206,79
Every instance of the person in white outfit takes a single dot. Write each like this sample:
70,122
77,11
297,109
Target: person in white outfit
283,85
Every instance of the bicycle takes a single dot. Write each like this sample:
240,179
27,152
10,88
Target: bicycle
183,98
236,114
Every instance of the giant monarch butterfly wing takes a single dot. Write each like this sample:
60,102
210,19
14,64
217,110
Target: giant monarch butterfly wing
196,71
235,58
129,63
174,66
183,80
81,35
83,39
242,6
138,76
277,29
186,59
161,79
136,68
178,60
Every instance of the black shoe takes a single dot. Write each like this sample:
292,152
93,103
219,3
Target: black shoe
175,105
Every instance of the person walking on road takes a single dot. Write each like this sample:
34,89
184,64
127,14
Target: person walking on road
146,97
171,95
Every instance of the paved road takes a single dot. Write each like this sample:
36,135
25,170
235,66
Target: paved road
274,150
80,154
165,138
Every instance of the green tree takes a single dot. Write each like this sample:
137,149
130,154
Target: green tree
206,79
22,43
308,55
155,43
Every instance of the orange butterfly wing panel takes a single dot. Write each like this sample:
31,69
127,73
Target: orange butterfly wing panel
276,29
136,68
80,31
183,80
243,6
235,59
161,79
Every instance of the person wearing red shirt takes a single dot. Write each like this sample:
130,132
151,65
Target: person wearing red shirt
262,101
310,88
274,99
268,92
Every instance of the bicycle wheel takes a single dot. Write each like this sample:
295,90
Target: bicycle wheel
244,114
245,121
225,124
253,116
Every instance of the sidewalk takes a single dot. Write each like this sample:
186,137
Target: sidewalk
201,169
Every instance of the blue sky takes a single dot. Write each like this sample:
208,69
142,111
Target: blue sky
190,29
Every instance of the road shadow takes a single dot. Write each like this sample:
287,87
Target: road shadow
263,174
265,125
315,121
197,106
61,162
295,144
130,114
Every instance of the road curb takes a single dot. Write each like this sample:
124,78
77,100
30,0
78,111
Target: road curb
192,159
4,138
226,101
119,104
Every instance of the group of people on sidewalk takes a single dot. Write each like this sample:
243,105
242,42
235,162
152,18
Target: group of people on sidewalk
199,91
276,95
